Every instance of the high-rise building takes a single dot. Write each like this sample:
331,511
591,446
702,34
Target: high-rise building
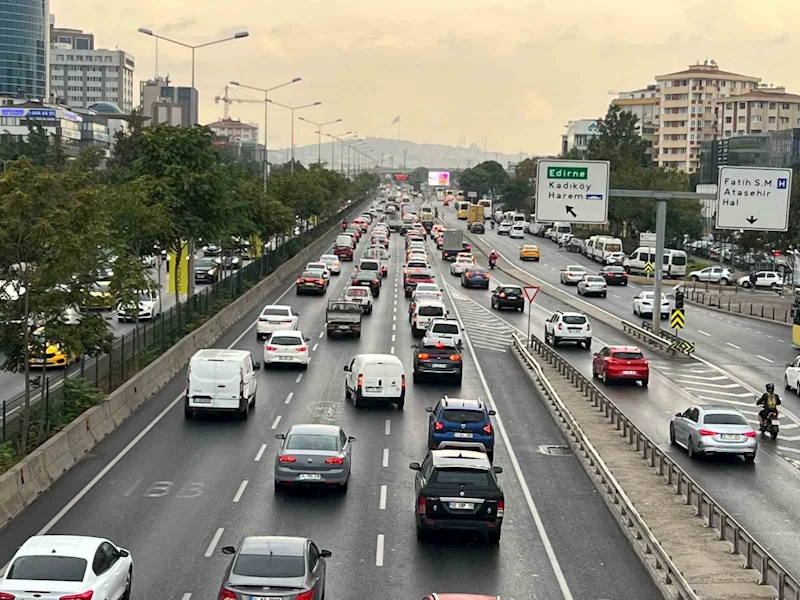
24,48
80,75
762,110
645,103
164,103
688,100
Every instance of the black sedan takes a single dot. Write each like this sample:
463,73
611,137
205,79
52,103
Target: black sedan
614,275
311,282
477,227
368,279
475,277
206,270
437,359
508,296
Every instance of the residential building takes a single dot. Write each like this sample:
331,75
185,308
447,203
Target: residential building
164,103
81,75
234,129
56,120
769,149
578,134
688,100
24,49
762,110
645,104
95,131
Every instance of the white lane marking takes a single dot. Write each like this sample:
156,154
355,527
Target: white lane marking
133,487
299,378
393,337
289,398
187,596
214,541
765,358
314,349
392,350
385,462
770,337
260,452
616,296
704,333
782,341
387,428
275,422
382,501
733,345
394,327
241,490
759,333
394,317
321,333
379,551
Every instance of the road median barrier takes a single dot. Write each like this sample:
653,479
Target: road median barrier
690,545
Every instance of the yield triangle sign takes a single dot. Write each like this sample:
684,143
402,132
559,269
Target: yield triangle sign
531,291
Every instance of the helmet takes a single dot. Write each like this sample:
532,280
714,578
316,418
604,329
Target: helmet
770,388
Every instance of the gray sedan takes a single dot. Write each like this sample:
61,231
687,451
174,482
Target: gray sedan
713,430
313,455
274,568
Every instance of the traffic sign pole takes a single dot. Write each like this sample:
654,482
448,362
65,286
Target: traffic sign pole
530,295
661,225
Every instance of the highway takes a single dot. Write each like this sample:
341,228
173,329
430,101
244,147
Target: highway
762,496
175,491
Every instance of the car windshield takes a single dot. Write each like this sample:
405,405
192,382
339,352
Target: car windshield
304,441
465,477
447,328
269,565
275,312
595,279
316,266
460,415
628,355
101,287
329,258
574,319
204,263
476,271
285,340
431,311
48,568
724,419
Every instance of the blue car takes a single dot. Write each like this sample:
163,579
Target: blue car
461,423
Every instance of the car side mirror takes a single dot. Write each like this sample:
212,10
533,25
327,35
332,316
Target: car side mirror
280,436
256,366
679,414
228,550
497,470
351,438
429,409
325,553
414,466
346,368
123,553
492,413
596,354
788,364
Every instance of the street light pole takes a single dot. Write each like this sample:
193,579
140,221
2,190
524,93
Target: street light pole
333,146
291,109
319,132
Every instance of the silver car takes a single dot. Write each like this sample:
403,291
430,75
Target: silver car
592,284
313,455
713,430
274,568
572,274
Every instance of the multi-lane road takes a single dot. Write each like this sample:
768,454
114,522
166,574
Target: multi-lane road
739,355
175,491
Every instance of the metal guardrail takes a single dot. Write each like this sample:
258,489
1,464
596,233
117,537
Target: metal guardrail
645,334
728,529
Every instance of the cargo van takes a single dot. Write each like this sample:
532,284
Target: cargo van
603,246
674,261
220,380
375,378
560,228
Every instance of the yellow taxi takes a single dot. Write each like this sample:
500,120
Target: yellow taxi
529,252
54,356
100,297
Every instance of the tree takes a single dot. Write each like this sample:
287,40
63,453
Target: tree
418,175
618,141
526,169
475,180
517,194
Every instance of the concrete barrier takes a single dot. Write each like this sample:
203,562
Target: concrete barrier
33,475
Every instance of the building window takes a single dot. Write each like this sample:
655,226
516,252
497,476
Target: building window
742,105
729,105
784,119
784,107
756,119
772,105
742,119
772,119
758,105
728,119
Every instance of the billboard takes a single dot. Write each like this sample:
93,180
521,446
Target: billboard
441,178
400,177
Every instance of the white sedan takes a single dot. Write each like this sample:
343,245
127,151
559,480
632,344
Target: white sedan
319,266
592,285
68,566
771,279
332,262
643,305
791,378
518,230
427,288
572,274
457,267
504,227
149,308
287,347
276,317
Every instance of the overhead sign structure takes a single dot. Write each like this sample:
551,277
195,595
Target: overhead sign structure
677,320
572,190
755,199
439,178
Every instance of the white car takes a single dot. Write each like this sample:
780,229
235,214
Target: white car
643,305
791,377
319,266
572,274
68,566
426,311
714,274
375,378
361,295
276,317
518,230
416,263
428,289
504,227
444,330
568,327
593,285
614,258
331,261
149,308
289,346
771,279
459,264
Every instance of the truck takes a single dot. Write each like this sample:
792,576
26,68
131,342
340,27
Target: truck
426,216
452,243
343,318
475,214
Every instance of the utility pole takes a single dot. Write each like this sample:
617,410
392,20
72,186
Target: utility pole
404,160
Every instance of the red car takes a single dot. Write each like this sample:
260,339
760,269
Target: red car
621,362
413,277
344,253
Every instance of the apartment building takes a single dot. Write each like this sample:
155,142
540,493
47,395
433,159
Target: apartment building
578,134
165,103
234,129
688,100
645,103
760,111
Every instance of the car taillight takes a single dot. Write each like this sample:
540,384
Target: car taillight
270,348
84,596
487,429
287,459
438,426
424,356
309,595
455,357
4,596
747,434
375,281
501,508
301,280
422,506
360,381
226,594
588,327
707,432
625,275
334,460
560,326
301,348
320,281
468,275
402,381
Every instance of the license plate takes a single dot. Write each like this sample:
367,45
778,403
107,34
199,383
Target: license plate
263,597
459,434
201,400
511,297
374,389
309,477
775,422
629,372
729,436
461,505
284,358
574,329
439,366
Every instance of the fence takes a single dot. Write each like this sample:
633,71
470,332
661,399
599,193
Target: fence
704,293
137,348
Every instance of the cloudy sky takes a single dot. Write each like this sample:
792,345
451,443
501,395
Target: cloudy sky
514,71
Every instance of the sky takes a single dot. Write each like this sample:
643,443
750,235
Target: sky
515,72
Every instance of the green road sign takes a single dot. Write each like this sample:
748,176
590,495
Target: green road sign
567,173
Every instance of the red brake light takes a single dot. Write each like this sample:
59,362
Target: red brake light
403,381
468,275
309,595
270,348
455,357
302,348
84,596
287,459
301,280
226,594
334,460
422,506
501,508
439,345
360,381
487,429
707,432
625,275
438,426
4,596
750,434
424,356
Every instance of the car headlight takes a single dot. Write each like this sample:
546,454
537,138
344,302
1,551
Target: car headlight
210,272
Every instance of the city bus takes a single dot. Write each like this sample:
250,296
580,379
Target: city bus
486,203
462,207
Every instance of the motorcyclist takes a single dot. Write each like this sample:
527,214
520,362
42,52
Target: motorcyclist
492,222
493,258
770,401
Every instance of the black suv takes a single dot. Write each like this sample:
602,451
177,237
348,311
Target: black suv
458,490
508,296
437,358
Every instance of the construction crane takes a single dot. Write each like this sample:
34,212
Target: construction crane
227,100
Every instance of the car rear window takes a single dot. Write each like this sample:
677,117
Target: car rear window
285,340
369,265
450,328
460,415
431,311
628,355
356,292
419,276
466,477
269,565
574,319
48,568
275,312
724,419
344,307
595,279
614,270
512,290
303,441
678,260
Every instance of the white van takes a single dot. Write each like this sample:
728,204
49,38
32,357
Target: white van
560,228
519,217
424,313
674,261
375,378
603,246
222,381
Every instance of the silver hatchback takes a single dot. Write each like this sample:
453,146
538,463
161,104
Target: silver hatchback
713,430
274,568
313,455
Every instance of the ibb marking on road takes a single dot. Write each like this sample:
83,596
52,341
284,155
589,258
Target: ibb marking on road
159,489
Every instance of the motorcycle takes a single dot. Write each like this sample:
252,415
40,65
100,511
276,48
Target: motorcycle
492,264
770,425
